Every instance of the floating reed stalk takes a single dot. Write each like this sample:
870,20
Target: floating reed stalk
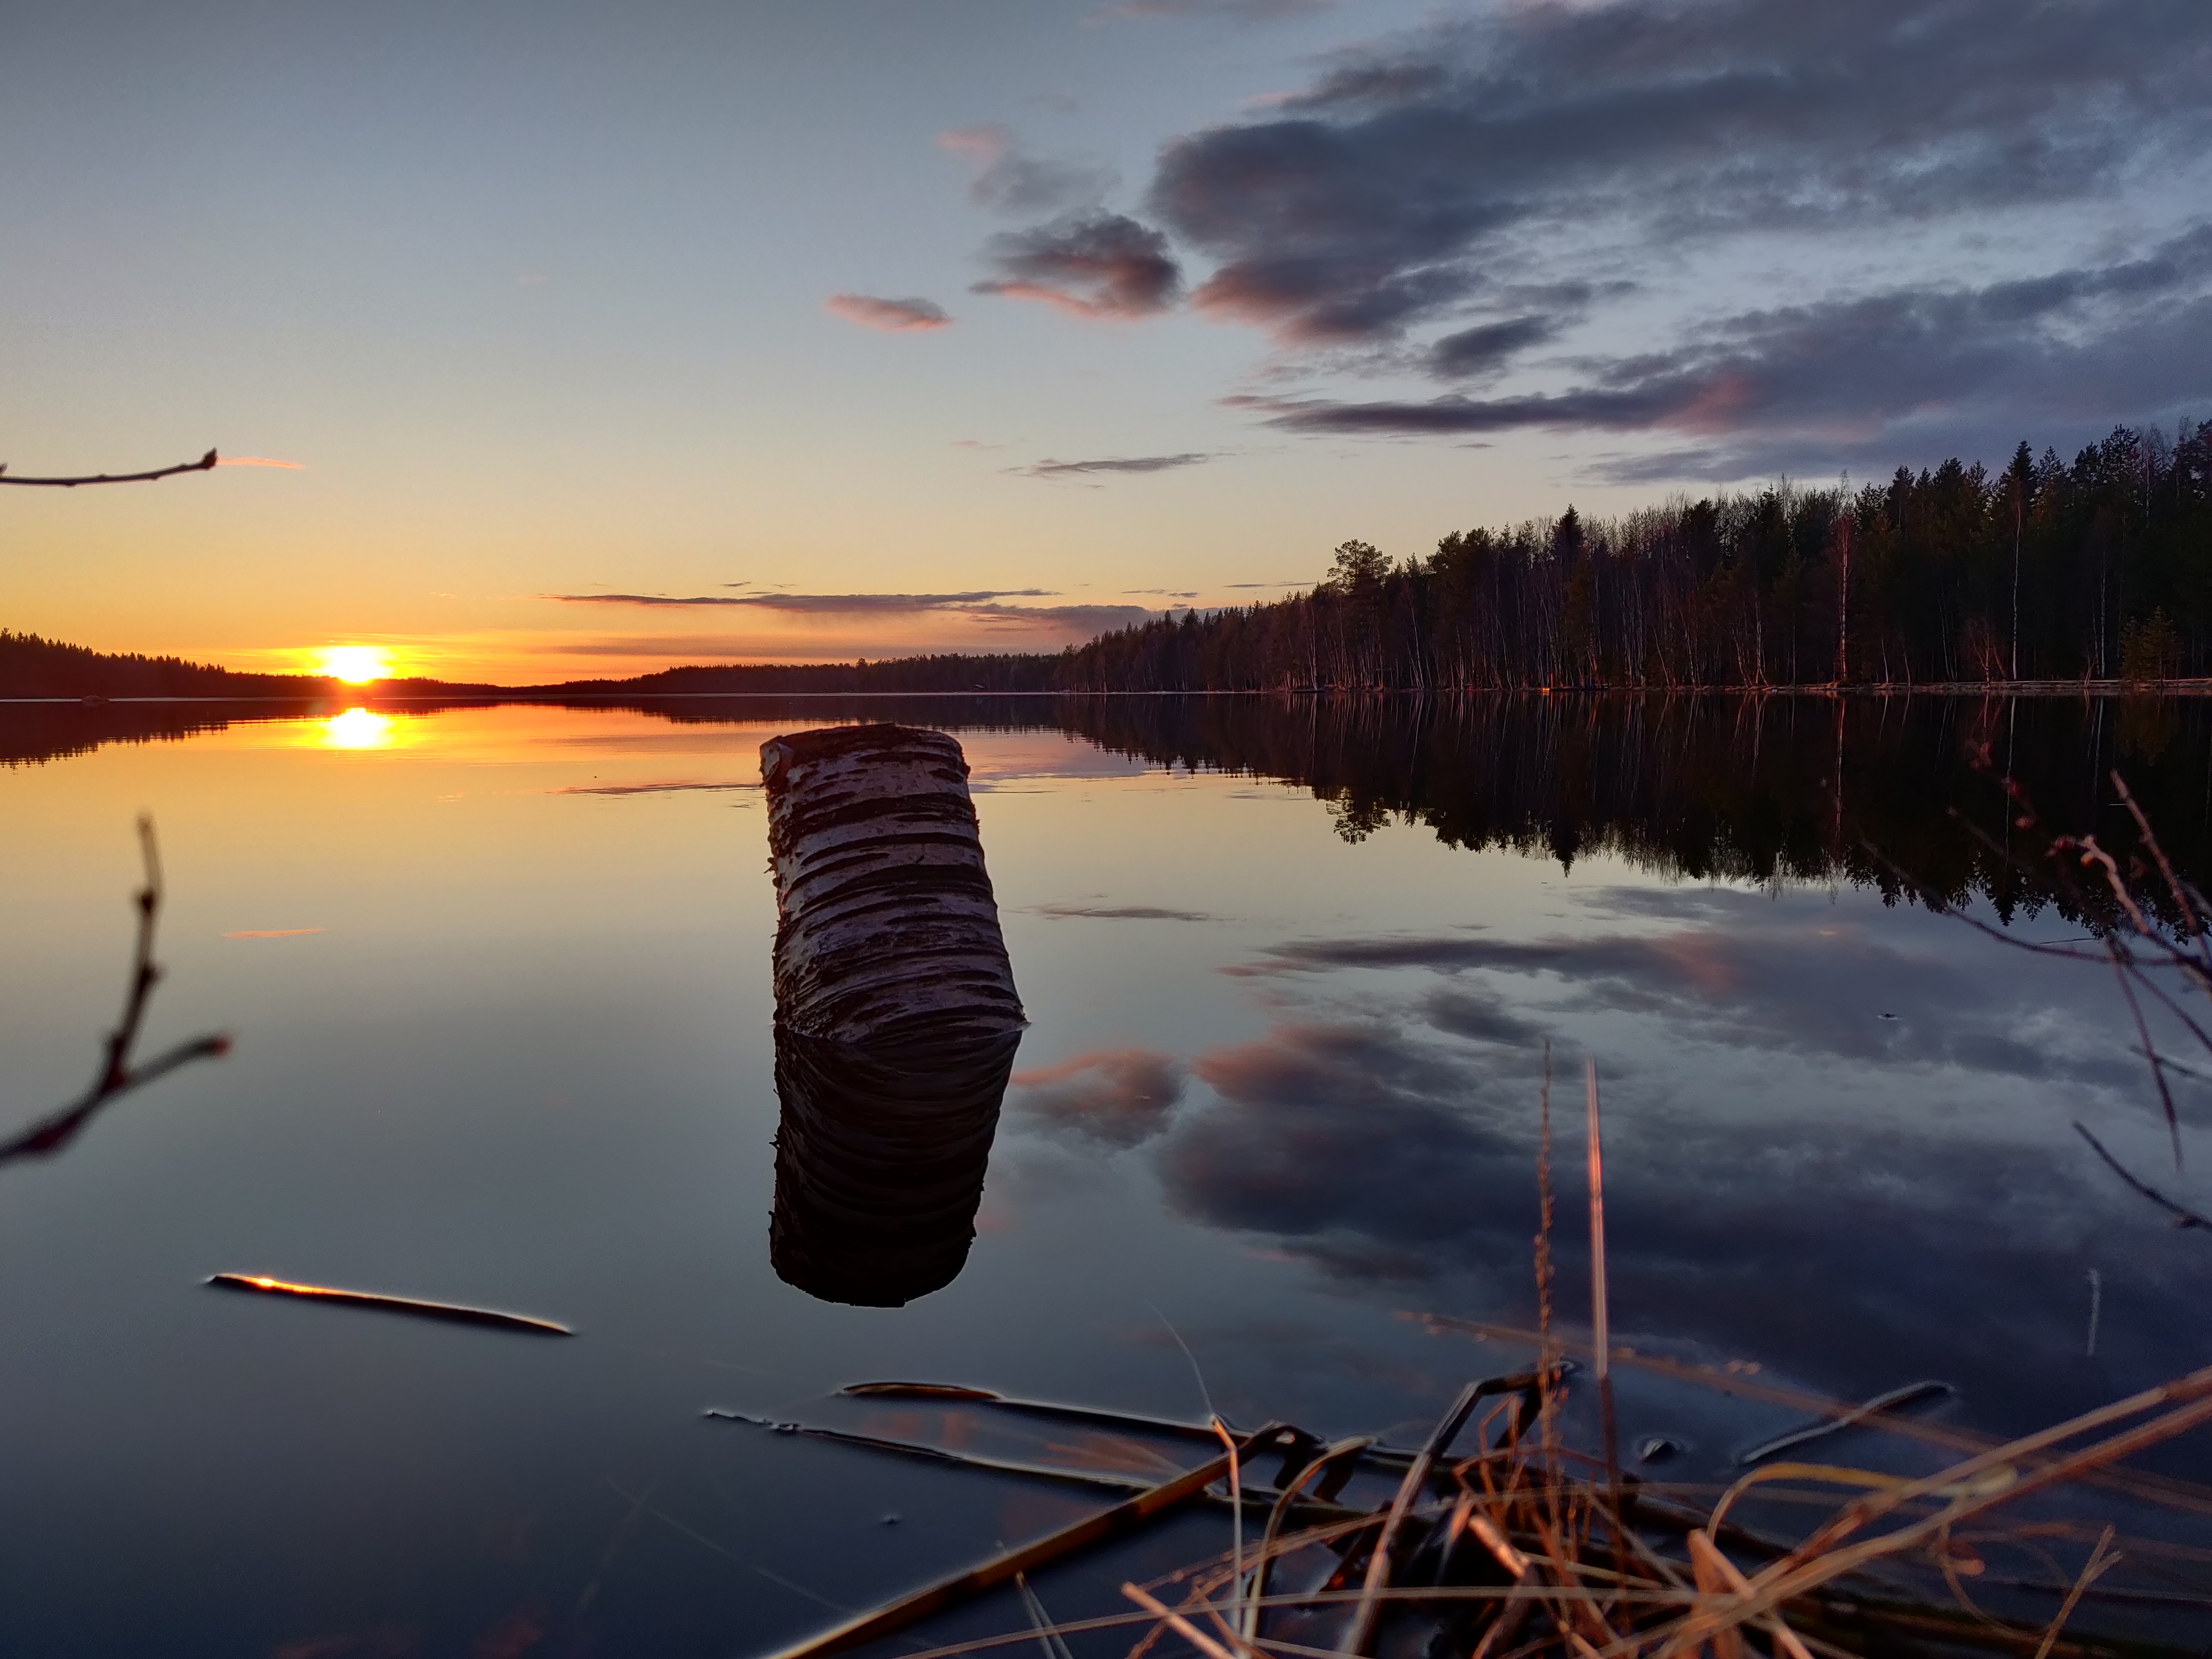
452,1313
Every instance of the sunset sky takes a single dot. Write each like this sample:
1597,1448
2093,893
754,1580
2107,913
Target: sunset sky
604,337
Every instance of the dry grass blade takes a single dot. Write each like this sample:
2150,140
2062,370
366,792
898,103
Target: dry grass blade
1378,1565
1122,1518
1093,1478
1054,1645
1180,1626
1718,1576
2099,1563
2164,1489
1822,1558
1329,1457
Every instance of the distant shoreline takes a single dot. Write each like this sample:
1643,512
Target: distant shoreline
553,696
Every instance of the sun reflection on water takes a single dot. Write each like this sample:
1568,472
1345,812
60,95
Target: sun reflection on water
357,728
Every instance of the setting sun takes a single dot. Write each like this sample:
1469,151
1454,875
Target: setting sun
355,664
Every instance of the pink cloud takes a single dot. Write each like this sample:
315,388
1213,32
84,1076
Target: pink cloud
892,316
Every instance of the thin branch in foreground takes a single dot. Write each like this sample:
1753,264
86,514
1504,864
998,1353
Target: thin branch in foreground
2183,1217
206,463
119,1073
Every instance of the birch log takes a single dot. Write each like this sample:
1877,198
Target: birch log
886,926
896,1016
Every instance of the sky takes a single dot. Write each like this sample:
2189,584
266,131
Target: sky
594,338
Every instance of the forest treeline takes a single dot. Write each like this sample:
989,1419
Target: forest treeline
2099,569
33,667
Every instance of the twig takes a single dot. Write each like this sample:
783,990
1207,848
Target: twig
117,1074
205,464
2182,1217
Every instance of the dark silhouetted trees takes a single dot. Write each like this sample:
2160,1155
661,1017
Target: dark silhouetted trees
2099,569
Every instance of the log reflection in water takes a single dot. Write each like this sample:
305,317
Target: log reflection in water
879,1162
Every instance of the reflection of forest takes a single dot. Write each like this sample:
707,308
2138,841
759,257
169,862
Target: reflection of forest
35,732
1733,787
1737,787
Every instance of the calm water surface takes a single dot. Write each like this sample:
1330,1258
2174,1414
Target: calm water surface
500,983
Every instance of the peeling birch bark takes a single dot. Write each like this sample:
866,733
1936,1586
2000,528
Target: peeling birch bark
886,926
896,1016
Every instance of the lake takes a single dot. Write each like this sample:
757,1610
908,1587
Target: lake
498,982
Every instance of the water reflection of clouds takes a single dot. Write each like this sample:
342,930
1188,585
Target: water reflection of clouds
1803,982
1117,1096
1789,1173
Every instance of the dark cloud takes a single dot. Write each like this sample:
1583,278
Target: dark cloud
1095,265
816,604
1242,11
1121,464
1118,1096
892,316
1073,618
1860,378
1011,180
1384,193
1452,198
983,606
1123,912
1487,348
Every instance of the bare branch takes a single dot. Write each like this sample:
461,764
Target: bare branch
2182,1217
206,463
117,1074
2123,965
